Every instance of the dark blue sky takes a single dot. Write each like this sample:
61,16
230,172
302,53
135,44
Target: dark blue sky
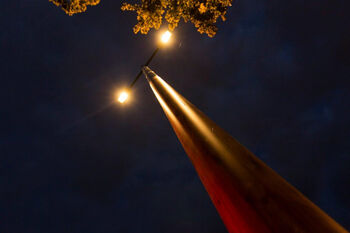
276,77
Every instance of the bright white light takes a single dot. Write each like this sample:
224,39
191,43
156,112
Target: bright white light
123,96
166,37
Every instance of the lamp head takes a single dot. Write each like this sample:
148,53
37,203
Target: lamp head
165,37
123,96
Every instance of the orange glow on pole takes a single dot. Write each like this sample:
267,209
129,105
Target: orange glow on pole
249,196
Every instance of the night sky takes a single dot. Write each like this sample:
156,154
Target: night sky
276,77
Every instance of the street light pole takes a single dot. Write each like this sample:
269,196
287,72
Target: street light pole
249,196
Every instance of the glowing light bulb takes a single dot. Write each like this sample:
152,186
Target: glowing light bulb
123,97
166,37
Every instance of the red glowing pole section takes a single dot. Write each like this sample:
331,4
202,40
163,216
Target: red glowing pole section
249,196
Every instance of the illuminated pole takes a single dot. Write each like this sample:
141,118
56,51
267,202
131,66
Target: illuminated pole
249,196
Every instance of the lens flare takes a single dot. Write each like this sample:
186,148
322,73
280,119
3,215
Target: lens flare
166,37
123,97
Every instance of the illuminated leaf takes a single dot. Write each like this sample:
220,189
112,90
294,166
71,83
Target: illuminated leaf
202,13
74,6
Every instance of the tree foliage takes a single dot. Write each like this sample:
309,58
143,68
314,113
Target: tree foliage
74,6
202,13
